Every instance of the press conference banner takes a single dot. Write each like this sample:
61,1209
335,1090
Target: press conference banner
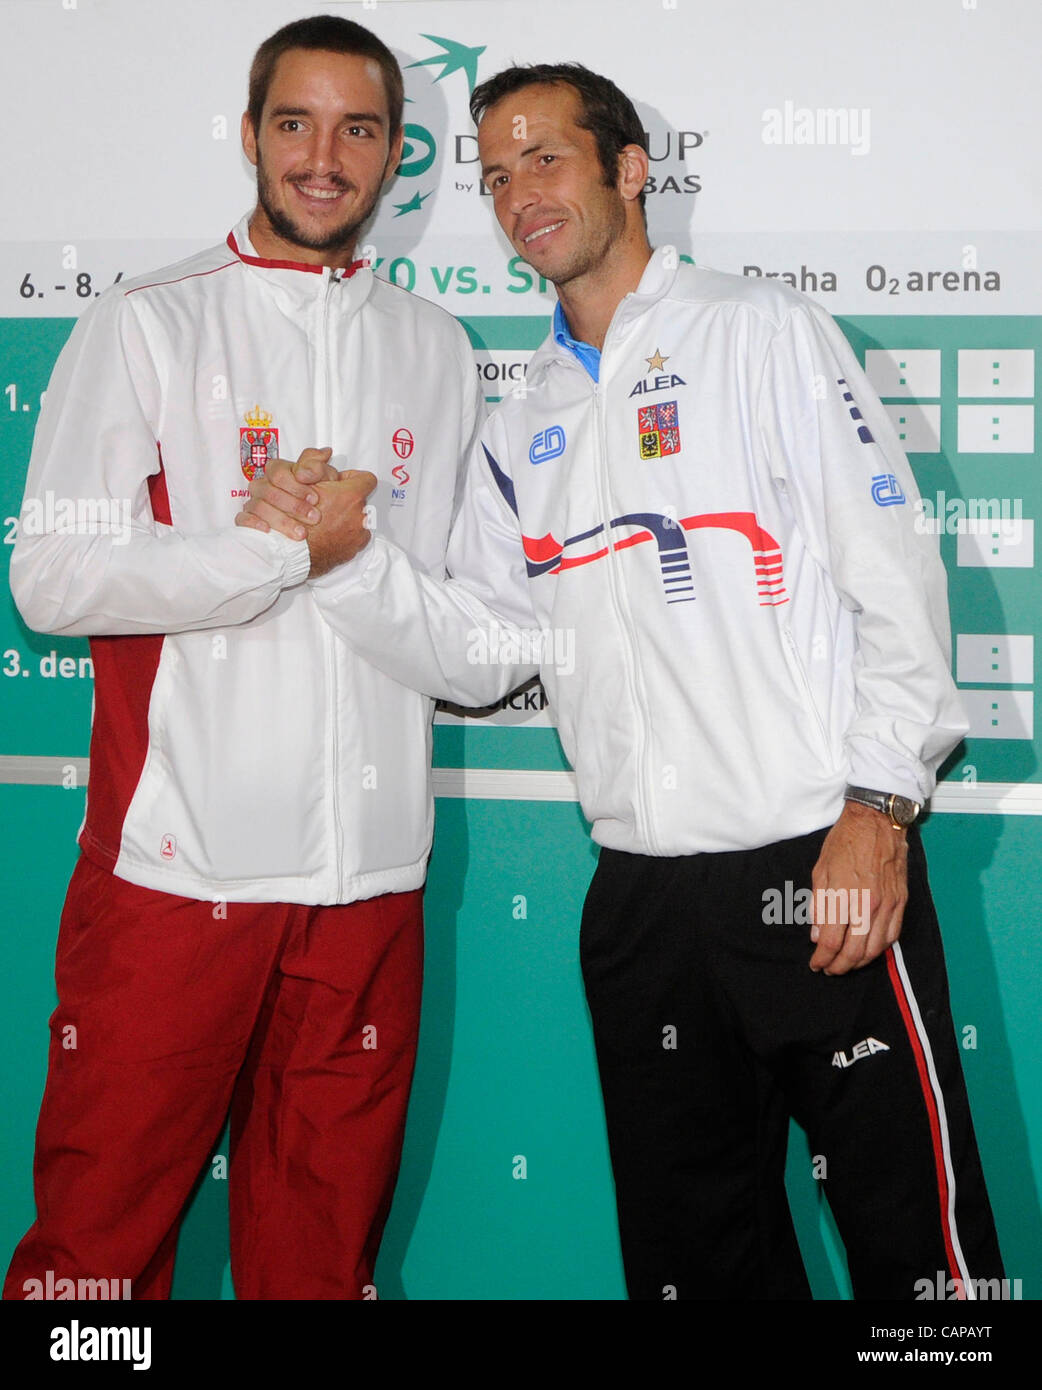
875,166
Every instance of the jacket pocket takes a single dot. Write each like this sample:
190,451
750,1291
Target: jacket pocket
804,688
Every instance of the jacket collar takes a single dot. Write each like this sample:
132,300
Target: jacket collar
298,283
655,283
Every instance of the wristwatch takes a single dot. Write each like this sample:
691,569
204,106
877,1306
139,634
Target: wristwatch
901,809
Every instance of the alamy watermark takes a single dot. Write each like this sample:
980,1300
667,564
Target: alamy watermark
790,906
969,516
53,1286
502,646
80,516
943,1287
790,124
82,1342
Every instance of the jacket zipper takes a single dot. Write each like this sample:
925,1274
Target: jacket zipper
324,420
636,684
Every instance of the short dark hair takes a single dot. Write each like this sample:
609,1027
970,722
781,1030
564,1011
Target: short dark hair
330,34
605,111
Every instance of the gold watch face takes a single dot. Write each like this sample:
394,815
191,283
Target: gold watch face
903,810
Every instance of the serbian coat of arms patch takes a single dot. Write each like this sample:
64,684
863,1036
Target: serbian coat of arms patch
659,430
258,442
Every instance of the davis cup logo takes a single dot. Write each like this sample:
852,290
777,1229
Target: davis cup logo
402,442
258,442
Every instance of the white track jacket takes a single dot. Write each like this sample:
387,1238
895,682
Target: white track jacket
239,750
724,527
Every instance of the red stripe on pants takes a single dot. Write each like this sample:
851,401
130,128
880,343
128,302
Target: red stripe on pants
930,1103
303,1019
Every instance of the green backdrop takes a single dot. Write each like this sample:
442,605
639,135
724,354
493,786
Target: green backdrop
506,1067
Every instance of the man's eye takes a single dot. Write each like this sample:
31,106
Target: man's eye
547,158
497,181
358,130
290,125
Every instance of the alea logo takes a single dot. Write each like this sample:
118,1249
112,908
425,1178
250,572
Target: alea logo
865,1048
547,444
656,362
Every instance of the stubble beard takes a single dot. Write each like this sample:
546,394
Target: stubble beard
340,238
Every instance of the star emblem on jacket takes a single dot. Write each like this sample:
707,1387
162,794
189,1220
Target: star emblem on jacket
656,361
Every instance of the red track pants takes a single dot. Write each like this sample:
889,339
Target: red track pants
302,1019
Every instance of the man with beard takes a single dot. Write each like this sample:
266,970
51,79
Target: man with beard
699,483
243,931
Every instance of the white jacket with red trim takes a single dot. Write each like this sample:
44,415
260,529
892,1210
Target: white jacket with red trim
716,543
239,750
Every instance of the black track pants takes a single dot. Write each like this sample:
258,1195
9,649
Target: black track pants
711,1030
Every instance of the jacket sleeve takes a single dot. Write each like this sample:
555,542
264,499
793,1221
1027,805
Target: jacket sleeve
471,638
89,557
835,452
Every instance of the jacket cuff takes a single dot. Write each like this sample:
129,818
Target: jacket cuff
295,557
879,768
343,578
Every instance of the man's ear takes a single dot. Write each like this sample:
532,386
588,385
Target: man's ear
394,156
249,138
633,171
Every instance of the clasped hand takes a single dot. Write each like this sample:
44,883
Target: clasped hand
309,500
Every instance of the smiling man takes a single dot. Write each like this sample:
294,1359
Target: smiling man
761,696
309,197
243,930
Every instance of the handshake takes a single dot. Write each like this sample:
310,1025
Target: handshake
309,500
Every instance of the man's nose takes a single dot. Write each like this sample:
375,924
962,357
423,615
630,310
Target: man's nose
522,193
324,154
